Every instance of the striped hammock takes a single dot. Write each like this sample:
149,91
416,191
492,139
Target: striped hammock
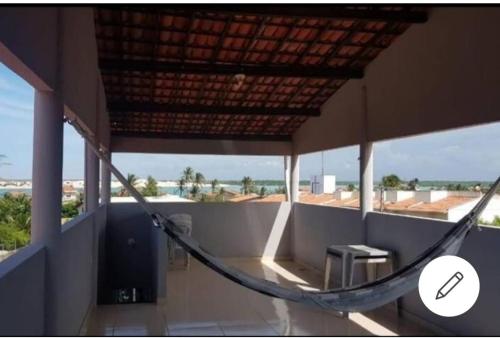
360,298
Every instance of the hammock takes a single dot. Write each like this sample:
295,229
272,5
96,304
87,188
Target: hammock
360,298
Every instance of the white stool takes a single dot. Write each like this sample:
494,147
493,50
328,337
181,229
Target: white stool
354,254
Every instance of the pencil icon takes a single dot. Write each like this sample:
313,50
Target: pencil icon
449,285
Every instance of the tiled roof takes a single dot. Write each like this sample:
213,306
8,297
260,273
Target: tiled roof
234,71
441,206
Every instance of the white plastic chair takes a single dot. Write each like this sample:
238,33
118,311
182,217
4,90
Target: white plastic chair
184,222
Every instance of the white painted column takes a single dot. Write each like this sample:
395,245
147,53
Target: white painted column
91,180
294,179
365,167
105,183
47,168
366,177
286,159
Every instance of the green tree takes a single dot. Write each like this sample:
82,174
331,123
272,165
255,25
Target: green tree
199,179
413,184
495,222
182,185
16,211
70,210
220,195
350,187
15,221
195,190
214,183
391,181
151,188
247,185
262,192
188,174
132,180
12,237
280,190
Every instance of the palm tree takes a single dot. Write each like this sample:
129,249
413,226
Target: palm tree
247,185
132,180
182,185
195,190
215,184
151,188
391,181
199,179
188,174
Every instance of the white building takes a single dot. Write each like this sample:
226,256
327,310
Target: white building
322,184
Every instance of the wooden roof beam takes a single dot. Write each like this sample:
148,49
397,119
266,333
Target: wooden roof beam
229,69
149,107
317,11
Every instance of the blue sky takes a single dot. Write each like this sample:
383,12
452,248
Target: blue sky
466,154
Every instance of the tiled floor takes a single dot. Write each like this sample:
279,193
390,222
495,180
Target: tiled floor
201,302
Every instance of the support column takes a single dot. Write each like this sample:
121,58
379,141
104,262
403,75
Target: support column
365,167
105,183
91,180
366,178
286,159
294,180
48,135
47,168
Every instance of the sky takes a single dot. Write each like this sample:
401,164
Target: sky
467,154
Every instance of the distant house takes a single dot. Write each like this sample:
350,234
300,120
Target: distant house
440,204
69,193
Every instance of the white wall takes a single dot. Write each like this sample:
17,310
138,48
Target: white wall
74,261
30,35
438,75
342,195
25,306
488,214
22,283
217,147
225,229
430,195
54,48
398,195
316,227
410,236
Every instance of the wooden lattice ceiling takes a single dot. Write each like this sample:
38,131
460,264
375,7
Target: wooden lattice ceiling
234,71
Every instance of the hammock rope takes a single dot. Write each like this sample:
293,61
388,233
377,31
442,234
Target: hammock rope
364,297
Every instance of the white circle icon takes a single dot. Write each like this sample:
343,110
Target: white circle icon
448,286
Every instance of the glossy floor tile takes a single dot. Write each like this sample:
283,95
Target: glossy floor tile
202,303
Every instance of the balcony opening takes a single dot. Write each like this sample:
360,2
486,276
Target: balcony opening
201,178
331,178
16,149
439,175
73,175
